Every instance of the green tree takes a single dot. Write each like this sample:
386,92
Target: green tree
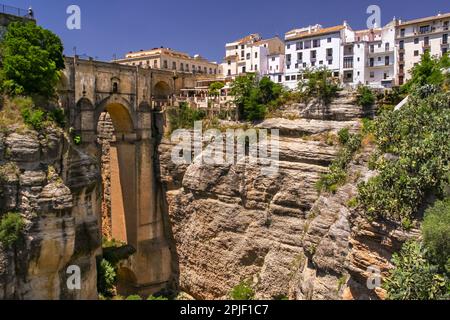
32,58
11,229
241,89
320,84
413,277
436,233
428,71
215,87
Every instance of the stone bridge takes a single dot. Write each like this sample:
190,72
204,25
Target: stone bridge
133,97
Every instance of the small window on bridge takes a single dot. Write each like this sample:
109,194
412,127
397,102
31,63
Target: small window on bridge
115,87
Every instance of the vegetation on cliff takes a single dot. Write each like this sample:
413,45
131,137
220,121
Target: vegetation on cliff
32,58
11,229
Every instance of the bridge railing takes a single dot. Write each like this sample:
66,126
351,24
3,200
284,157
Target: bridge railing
14,11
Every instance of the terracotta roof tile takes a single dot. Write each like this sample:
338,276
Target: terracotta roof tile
317,32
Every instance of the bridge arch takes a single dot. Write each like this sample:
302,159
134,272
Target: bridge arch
121,112
162,90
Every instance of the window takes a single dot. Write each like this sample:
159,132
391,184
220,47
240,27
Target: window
299,45
115,87
359,59
313,54
271,68
242,47
288,46
242,54
288,58
402,56
402,32
288,78
205,69
210,70
320,62
293,77
304,64
386,61
372,48
445,27
424,29
229,62
386,46
165,64
336,74
155,64
248,56
372,74
329,53
313,63
174,65
330,61
229,72
182,66
379,59
329,40
416,40
379,45
243,70
316,43
402,45
300,56
445,38
187,67
426,41
416,53
385,76
256,67
307,44
256,55
280,78
371,62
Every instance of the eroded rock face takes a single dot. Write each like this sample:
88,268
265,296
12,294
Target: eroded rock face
55,189
231,223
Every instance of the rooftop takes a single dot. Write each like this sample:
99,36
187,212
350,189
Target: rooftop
312,31
420,20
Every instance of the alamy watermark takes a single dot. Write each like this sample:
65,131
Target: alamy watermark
74,279
73,22
234,147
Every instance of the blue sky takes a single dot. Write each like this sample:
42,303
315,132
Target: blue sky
202,26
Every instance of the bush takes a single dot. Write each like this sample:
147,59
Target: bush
134,297
365,97
106,278
414,278
159,298
33,117
12,226
242,291
436,233
337,175
253,97
184,117
32,58
416,137
319,84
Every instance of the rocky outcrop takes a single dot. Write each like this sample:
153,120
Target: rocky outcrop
55,189
231,223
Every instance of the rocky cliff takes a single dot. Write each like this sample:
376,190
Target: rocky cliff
55,188
231,223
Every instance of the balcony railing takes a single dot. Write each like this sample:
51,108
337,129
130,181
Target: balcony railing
14,11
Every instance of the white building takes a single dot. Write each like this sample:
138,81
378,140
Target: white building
415,36
250,54
276,67
369,58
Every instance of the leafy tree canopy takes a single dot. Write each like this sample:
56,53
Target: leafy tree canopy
32,58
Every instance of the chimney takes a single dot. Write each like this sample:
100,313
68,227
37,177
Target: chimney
345,23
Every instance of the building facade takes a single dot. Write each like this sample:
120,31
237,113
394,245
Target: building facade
168,59
250,54
313,47
414,37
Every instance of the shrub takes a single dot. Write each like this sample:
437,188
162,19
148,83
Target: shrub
417,137
33,117
184,116
243,291
414,278
318,84
159,298
365,97
134,297
32,58
106,278
336,175
436,233
12,226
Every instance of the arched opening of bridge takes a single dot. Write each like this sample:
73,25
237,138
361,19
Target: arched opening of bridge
117,160
161,94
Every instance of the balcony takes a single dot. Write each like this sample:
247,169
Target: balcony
15,11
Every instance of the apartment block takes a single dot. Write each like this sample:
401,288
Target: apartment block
369,58
312,47
166,58
251,54
414,37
